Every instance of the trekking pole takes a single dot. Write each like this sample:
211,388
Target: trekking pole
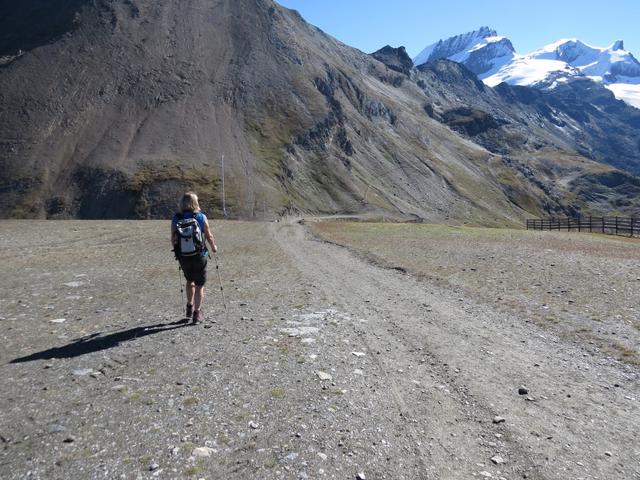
182,297
224,302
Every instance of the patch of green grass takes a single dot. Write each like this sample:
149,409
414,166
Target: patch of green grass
187,446
628,354
241,416
271,462
224,440
277,392
192,471
191,402
283,349
134,397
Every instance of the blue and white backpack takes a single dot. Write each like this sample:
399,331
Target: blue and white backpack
190,237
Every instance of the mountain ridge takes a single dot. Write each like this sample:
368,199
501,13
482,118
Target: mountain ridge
559,61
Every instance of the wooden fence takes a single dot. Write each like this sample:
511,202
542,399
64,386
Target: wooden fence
624,226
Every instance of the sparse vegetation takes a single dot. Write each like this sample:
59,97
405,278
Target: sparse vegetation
277,392
191,401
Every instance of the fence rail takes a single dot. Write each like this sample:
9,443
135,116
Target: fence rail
623,226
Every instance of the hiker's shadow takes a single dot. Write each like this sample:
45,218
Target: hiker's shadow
97,341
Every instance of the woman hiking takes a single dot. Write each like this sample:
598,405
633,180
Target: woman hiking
189,233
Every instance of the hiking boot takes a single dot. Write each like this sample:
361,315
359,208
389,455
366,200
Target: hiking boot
197,316
189,311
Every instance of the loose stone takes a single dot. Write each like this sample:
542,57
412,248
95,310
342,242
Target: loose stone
56,428
202,452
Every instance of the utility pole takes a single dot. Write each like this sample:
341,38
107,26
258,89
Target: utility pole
366,192
224,204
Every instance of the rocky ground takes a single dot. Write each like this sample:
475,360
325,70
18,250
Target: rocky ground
326,365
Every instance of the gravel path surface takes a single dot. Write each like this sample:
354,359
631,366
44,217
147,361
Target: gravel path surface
325,366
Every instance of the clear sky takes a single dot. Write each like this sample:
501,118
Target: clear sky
372,24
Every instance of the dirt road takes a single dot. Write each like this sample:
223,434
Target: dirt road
326,367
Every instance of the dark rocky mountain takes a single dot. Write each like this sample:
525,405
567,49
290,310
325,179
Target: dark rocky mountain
602,128
543,139
395,58
111,108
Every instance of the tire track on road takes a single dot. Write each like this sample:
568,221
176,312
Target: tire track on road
355,285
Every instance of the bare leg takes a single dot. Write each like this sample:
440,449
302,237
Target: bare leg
190,292
198,297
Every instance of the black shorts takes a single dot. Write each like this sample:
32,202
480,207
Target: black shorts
195,269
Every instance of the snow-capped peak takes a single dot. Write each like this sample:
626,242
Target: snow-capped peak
494,60
618,45
482,50
600,64
568,50
454,46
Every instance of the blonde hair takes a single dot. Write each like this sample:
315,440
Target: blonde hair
189,203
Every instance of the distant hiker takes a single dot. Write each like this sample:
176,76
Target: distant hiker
189,233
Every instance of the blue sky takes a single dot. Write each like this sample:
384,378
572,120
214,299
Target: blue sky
371,24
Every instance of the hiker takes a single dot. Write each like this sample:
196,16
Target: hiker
189,230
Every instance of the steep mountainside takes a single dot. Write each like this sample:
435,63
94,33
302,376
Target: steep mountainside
540,140
111,108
